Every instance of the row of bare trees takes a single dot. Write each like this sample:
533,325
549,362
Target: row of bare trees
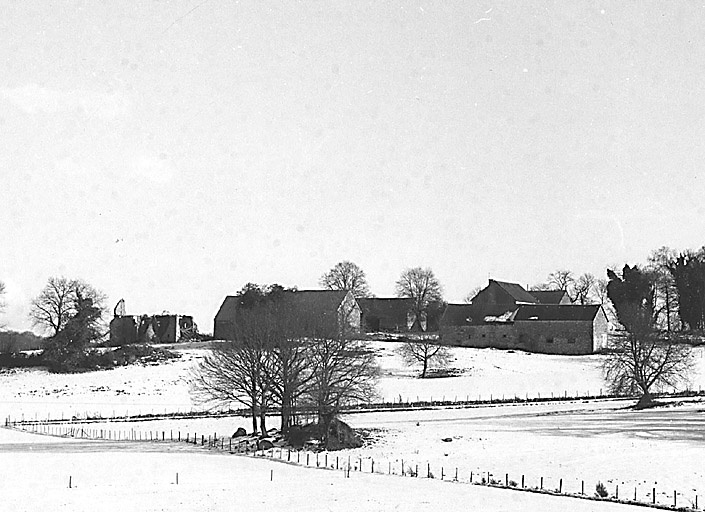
288,358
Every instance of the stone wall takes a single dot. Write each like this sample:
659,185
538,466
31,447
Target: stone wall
540,336
480,336
557,336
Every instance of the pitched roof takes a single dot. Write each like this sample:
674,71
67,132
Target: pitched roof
457,314
323,301
548,296
318,300
226,313
517,291
386,307
564,312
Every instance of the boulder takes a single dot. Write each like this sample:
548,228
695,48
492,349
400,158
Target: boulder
240,432
264,444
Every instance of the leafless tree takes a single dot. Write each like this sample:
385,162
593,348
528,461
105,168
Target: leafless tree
425,352
60,300
665,290
235,371
583,289
643,358
347,276
603,300
344,370
421,285
561,280
472,294
286,356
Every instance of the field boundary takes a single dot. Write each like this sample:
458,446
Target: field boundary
249,447
357,408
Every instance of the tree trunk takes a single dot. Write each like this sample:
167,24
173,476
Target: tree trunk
286,414
253,410
263,421
425,366
646,401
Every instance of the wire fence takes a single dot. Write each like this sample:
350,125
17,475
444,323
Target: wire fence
397,404
349,464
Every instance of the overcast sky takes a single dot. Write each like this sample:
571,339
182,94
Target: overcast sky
168,152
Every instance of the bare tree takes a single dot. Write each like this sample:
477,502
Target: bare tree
561,280
59,301
421,285
583,289
603,300
347,276
425,352
234,371
344,370
68,349
286,354
641,357
472,294
665,290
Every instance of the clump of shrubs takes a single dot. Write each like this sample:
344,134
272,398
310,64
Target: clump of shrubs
20,360
126,355
103,359
601,490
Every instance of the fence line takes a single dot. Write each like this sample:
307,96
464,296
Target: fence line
662,499
361,407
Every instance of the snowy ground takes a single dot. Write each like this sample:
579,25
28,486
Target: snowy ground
164,388
109,476
575,441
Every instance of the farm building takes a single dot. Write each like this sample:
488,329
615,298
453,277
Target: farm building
551,296
387,315
397,315
322,303
165,328
506,316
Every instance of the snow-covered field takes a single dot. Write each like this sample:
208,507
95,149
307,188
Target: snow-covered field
572,440
107,477
164,388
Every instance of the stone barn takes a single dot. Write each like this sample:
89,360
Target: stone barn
506,316
340,306
562,329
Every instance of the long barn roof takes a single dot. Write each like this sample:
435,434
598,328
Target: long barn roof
557,312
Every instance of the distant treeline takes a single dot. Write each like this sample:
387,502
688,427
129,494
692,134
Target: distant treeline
13,341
